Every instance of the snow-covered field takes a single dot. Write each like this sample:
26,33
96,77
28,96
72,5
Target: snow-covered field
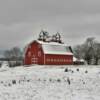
50,83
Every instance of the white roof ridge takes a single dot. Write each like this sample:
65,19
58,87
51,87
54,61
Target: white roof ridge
51,43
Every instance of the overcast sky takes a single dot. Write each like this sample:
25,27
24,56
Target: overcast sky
22,20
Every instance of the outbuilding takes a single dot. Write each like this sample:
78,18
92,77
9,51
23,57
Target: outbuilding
47,53
77,61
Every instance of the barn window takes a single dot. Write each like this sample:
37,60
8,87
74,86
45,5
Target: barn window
60,60
54,60
39,53
39,46
48,59
64,60
29,54
70,60
51,60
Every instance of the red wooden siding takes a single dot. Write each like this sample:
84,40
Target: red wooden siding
58,59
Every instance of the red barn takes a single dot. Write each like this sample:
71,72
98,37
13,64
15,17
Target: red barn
48,53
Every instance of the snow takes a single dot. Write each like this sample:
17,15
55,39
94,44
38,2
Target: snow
50,83
55,49
4,66
51,43
75,59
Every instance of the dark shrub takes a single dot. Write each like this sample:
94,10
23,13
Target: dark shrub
39,79
83,82
9,84
58,80
68,80
66,70
2,82
13,81
86,71
50,79
28,80
77,69
72,71
44,80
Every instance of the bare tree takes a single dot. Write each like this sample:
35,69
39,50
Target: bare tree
77,51
90,51
7,54
97,53
14,54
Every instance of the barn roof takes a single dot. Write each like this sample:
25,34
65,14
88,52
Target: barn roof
55,48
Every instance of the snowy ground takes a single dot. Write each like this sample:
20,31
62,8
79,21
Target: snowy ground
50,83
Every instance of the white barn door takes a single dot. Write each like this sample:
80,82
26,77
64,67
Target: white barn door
34,60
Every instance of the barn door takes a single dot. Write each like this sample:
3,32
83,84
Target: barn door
34,60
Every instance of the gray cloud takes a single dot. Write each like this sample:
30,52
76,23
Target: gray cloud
22,20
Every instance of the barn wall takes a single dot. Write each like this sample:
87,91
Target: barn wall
34,54
27,59
58,59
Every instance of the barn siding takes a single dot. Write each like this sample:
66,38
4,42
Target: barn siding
58,59
27,59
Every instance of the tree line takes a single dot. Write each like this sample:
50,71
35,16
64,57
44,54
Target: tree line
89,51
14,56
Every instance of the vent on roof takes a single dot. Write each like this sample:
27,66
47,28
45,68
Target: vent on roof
57,38
45,37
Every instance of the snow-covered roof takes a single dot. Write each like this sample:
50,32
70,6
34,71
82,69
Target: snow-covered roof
49,43
74,58
82,60
55,48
